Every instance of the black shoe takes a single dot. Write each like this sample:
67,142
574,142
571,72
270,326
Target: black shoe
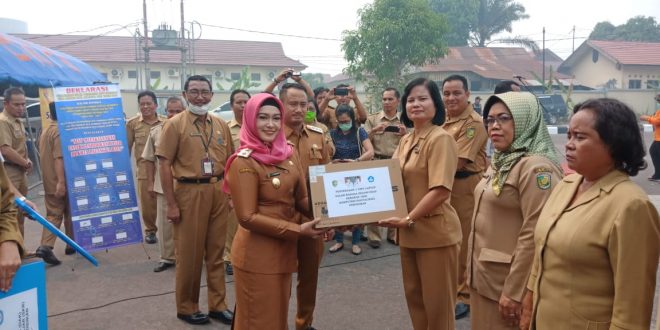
162,266
151,238
363,238
374,244
225,316
391,241
310,328
69,250
195,318
462,310
46,253
229,270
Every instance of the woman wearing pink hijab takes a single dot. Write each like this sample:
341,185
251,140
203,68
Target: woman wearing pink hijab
267,186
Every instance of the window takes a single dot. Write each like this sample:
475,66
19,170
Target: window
154,74
132,74
235,76
634,84
652,84
255,77
475,85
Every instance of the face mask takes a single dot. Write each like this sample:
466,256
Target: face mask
310,116
346,127
199,109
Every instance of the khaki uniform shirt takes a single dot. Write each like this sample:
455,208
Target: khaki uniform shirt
386,142
501,247
50,149
235,130
331,121
149,154
8,223
428,160
182,142
310,145
137,132
470,134
12,133
595,260
267,239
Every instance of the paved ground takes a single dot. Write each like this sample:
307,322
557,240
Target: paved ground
123,293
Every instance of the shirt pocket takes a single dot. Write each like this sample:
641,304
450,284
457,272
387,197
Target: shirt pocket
315,152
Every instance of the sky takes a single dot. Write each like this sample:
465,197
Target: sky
309,30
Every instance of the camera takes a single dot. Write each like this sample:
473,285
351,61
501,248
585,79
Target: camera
392,128
341,91
290,74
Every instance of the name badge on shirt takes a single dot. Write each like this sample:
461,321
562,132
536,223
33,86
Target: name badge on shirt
207,167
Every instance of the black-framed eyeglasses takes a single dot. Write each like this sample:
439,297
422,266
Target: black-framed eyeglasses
195,93
500,120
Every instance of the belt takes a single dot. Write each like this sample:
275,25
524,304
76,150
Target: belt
463,174
376,156
212,179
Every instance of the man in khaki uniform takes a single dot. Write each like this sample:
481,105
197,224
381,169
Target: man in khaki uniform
385,142
11,240
237,99
12,143
328,115
193,150
137,132
54,181
173,107
467,128
313,148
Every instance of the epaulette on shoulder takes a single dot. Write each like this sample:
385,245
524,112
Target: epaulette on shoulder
315,129
290,143
245,153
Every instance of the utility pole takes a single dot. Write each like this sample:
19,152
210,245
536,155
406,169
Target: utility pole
573,39
543,83
146,47
182,46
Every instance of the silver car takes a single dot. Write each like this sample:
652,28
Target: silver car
223,111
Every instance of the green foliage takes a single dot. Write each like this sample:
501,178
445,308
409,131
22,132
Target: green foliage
244,81
393,35
638,28
155,85
461,16
314,79
495,16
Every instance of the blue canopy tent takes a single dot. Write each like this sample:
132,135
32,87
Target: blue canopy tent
24,63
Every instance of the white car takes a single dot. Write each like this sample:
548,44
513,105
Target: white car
223,111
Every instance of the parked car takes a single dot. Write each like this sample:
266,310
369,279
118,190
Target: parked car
223,111
554,108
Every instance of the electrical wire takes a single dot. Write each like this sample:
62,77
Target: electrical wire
92,37
79,31
203,286
270,33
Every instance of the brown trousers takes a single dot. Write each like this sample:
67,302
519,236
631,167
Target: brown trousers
374,233
462,200
200,238
57,210
485,313
165,231
310,253
232,226
429,282
18,178
147,207
262,300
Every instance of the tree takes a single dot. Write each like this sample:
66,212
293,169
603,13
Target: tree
393,35
243,82
495,16
638,28
314,79
461,16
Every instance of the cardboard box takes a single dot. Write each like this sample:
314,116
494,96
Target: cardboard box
357,193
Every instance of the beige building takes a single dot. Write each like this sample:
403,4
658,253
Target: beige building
223,62
615,65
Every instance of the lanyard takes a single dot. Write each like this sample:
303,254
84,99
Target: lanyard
206,144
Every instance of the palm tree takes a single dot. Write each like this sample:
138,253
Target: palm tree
495,16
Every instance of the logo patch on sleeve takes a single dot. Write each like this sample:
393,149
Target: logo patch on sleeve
470,132
543,180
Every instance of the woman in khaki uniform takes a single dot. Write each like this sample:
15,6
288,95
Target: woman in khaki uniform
269,192
430,235
508,200
597,240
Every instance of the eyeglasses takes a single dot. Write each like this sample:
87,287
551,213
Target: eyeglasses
500,120
196,93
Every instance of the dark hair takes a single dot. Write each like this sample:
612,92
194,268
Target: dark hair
392,89
148,93
52,110
434,91
456,77
173,99
319,90
9,92
505,86
287,86
237,91
316,108
342,86
616,125
270,101
197,78
345,109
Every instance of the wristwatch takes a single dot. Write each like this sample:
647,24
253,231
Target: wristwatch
410,222
275,80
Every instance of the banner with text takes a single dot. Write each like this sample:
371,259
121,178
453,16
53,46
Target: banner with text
97,164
